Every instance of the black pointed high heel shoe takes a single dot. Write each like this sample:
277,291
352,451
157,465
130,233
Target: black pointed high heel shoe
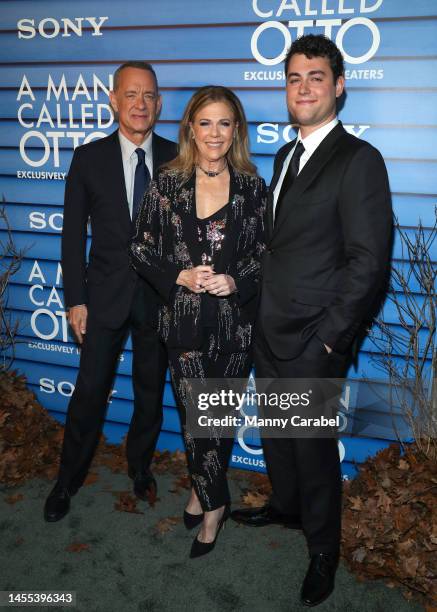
192,520
203,548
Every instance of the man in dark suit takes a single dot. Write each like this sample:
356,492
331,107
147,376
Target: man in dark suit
329,229
105,297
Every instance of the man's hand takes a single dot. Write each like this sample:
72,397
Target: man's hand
194,278
220,284
77,317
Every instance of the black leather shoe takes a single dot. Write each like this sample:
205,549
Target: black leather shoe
192,520
319,580
198,549
266,515
145,485
58,502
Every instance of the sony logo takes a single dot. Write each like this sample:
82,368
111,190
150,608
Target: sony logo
270,133
40,220
51,27
64,387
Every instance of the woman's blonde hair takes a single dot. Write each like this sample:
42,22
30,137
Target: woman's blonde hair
238,155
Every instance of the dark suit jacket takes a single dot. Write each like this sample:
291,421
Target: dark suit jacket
166,242
95,189
328,251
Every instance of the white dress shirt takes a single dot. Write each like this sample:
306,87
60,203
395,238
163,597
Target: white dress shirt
130,161
310,143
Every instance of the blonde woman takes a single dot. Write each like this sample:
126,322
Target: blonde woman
199,239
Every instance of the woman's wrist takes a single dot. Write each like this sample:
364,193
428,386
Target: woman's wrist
233,284
182,277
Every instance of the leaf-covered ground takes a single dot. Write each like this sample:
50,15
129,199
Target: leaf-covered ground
389,513
390,522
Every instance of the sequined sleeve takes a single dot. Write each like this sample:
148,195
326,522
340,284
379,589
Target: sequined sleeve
148,247
249,267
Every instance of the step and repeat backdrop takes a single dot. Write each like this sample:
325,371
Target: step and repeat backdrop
56,65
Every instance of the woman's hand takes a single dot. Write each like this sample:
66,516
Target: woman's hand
220,285
195,278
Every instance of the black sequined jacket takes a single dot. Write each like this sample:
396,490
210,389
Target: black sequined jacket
166,242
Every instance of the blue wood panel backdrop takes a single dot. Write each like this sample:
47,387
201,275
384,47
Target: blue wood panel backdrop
56,66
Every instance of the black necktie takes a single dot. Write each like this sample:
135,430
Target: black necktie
141,182
290,175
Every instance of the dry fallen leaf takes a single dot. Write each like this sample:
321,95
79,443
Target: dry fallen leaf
359,555
91,478
356,503
13,499
254,499
126,502
151,496
384,501
411,564
405,546
181,484
77,547
167,524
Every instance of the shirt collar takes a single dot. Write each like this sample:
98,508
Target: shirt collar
312,141
128,147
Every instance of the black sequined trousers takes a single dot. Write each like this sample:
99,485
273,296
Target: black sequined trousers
208,456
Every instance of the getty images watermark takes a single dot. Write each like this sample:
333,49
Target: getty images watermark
280,408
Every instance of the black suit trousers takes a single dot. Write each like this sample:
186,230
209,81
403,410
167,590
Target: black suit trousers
88,405
305,472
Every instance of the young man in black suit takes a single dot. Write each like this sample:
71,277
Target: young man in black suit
328,245
105,297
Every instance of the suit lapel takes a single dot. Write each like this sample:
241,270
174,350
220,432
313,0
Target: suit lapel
116,174
115,178
310,171
274,182
280,163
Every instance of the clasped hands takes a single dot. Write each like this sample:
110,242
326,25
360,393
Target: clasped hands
202,279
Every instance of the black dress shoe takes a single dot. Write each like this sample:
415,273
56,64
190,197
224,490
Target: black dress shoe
198,549
58,502
266,515
192,520
145,485
319,580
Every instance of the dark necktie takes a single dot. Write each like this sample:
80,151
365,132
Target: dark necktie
290,175
141,182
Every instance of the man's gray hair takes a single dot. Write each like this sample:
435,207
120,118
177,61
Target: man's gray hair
134,64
